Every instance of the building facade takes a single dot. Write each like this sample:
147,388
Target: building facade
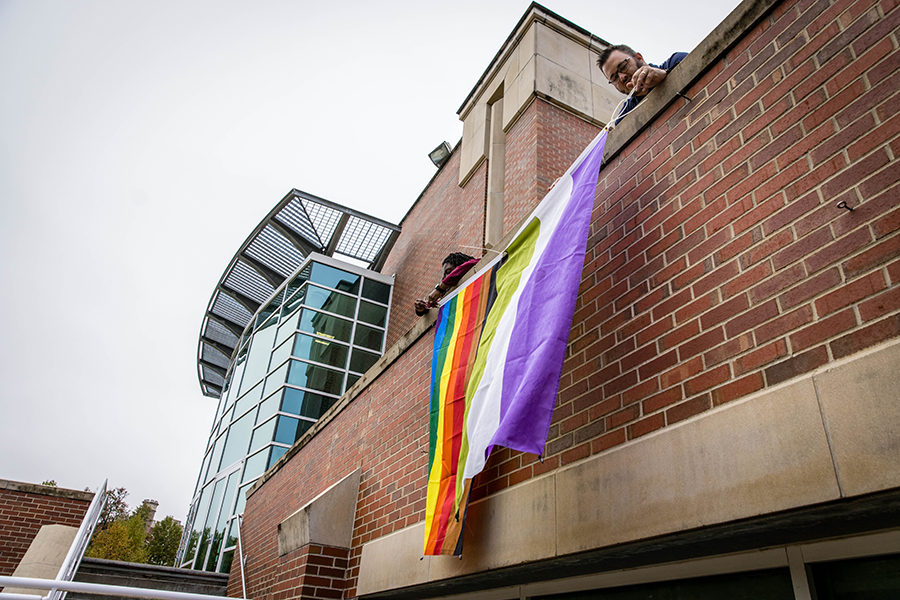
726,418
289,329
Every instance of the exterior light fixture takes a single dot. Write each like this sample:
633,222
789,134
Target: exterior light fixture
440,154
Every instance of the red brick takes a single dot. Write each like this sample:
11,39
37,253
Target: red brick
796,365
868,336
646,425
760,357
728,350
604,442
724,311
876,256
784,324
823,330
681,372
737,389
850,293
810,288
688,409
880,305
708,379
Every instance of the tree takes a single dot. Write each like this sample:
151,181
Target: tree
114,508
123,539
163,543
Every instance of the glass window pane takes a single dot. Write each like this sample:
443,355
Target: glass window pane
377,291
295,301
248,401
255,465
216,456
301,278
876,577
287,430
242,494
268,407
335,302
325,325
288,327
238,438
218,535
277,452
205,536
368,337
306,404
199,521
262,435
361,361
316,378
232,537
372,313
238,372
260,350
280,354
270,308
351,379
335,278
276,379
319,350
227,559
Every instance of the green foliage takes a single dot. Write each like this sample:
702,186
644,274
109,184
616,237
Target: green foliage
127,535
163,542
123,539
114,509
49,483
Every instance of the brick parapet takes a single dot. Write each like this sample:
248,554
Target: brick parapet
25,508
718,265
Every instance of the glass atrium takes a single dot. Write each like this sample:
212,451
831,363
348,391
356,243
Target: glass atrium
319,333
288,330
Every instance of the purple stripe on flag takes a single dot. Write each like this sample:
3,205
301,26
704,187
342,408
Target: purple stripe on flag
544,319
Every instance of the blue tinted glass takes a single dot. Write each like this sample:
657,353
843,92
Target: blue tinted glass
377,291
372,313
262,435
238,438
335,278
270,308
276,379
237,373
288,327
280,354
287,430
335,302
255,465
319,350
295,301
316,378
218,534
216,455
325,325
307,404
260,349
277,452
298,281
242,495
248,400
268,407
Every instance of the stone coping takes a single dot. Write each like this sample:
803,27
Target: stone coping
45,490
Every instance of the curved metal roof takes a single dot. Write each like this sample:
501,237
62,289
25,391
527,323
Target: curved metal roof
299,225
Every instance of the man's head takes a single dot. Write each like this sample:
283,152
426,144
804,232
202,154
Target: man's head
618,64
454,260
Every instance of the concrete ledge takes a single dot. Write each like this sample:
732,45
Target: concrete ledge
44,556
327,519
45,490
819,439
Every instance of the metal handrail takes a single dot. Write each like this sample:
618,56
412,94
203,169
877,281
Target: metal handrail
93,588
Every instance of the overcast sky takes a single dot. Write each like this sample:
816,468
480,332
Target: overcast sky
141,142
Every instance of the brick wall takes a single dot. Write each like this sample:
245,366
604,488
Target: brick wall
25,508
718,265
432,229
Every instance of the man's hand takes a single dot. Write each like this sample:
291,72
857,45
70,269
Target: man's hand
645,79
421,306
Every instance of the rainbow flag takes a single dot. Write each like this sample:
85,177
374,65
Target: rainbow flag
499,348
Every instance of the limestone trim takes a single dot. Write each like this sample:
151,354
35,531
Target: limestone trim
45,490
762,455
